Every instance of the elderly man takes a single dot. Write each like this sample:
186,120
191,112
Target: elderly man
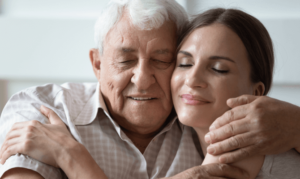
124,126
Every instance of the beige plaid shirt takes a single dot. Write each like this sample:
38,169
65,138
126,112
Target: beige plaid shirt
82,108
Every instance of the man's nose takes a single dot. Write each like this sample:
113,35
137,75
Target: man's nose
143,75
195,78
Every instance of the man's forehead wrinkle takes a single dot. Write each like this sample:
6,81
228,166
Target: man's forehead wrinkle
148,45
151,48
127,50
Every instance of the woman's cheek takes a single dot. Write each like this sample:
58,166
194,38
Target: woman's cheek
176,82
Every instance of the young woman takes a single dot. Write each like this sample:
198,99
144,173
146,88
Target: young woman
224,53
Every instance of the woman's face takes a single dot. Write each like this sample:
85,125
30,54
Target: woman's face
211,67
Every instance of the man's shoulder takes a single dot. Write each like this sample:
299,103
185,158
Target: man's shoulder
79,92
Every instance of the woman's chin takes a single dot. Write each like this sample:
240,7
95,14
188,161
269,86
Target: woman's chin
195,121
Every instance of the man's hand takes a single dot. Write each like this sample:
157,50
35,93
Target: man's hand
42,142
212,171
255,125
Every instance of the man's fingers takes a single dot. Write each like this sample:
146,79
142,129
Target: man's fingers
226,131
232,143
241,100
229,116
237,155
52,116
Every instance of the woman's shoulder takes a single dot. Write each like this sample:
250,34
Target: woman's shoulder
284,165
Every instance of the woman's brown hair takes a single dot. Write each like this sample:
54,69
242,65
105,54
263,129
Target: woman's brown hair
253,34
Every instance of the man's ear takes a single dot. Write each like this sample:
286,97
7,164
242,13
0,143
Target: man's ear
95,60
258,89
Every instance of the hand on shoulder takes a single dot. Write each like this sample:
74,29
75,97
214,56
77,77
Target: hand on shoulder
255,125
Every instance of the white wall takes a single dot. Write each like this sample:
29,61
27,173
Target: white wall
48,41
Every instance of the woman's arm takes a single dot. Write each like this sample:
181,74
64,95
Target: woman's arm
21,173
51,144
251,165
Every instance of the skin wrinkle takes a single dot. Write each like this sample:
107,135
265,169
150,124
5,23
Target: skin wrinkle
133,63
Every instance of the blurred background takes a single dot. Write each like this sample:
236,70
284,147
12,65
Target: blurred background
44,41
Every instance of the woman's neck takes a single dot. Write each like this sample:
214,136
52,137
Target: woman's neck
201,132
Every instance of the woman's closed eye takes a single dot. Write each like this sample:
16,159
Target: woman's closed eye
220,71
183,65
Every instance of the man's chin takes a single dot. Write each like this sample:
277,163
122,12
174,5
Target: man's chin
144,123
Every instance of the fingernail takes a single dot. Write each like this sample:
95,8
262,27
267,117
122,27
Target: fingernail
211,150
207,138
212,127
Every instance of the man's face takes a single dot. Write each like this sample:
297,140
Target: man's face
135,72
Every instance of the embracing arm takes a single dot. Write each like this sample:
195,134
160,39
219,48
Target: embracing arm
251,165
255,125
212,170
78,163
51,144
21,173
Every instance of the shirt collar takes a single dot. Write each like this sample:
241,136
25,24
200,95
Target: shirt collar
90,110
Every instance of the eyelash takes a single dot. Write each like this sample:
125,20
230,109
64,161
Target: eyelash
220,71
185,65
160,61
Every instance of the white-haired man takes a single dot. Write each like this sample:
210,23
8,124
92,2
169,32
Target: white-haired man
125,122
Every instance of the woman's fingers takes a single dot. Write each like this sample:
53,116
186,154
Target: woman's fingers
9,151
13,134
11,138
52,116
11,147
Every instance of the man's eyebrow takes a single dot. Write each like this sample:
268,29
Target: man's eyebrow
222,58
162,51
185,53
127,50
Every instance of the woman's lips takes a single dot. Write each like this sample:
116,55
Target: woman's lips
193,100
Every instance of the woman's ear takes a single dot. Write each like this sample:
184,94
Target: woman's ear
259,89
96,62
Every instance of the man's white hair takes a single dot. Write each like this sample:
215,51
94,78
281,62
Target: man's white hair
144,14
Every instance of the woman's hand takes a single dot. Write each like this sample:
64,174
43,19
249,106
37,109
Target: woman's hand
214,170
256,125
43,142
51,144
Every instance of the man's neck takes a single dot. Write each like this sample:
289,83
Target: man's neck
141,141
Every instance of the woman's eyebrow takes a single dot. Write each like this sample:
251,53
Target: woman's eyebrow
222,58
185,53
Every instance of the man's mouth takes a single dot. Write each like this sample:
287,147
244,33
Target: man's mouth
141,98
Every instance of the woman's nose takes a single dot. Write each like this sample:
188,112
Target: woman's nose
196,78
